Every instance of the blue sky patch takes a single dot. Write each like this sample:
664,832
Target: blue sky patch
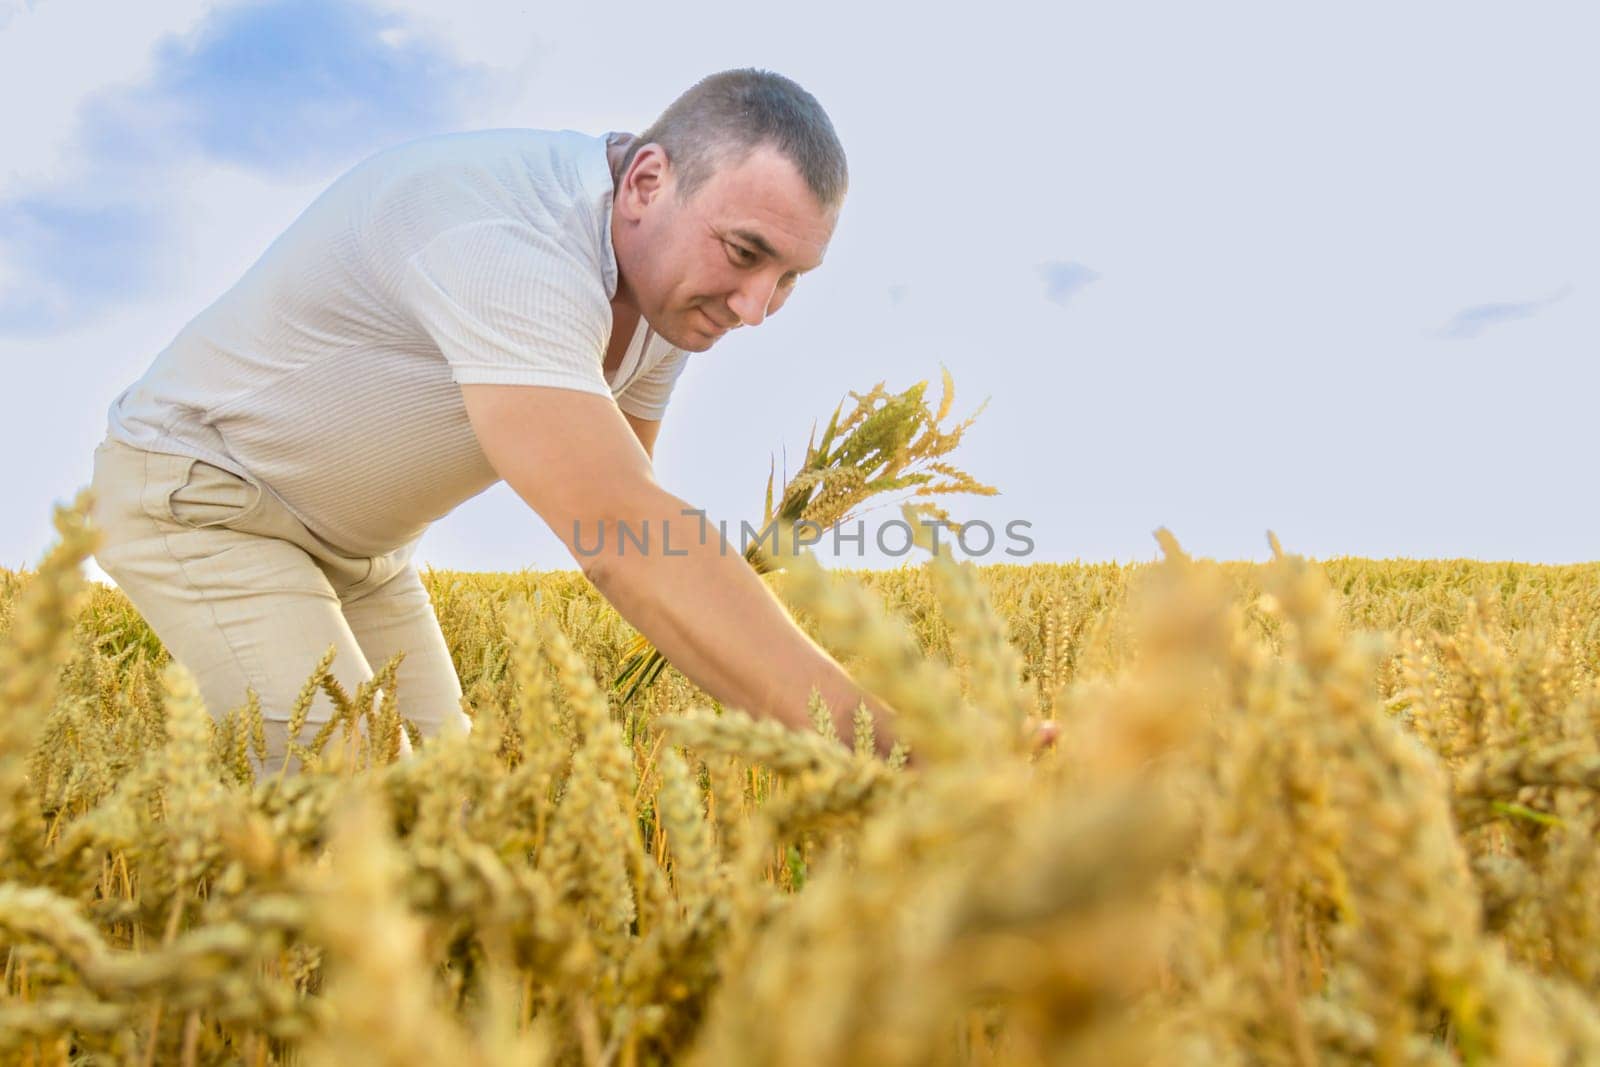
1063,281
302,84
1471,321
62,254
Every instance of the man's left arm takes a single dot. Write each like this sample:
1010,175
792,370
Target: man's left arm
644,402
645,430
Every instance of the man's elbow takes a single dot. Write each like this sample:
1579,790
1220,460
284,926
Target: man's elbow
613,540
593,566
613,572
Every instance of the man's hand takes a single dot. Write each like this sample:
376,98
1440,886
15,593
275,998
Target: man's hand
1041,734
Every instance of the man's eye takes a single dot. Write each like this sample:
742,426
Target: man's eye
745,255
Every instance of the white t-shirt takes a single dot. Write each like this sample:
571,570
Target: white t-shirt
329,372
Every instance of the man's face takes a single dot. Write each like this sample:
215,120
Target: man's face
731,255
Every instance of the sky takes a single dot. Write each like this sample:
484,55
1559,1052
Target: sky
1226,268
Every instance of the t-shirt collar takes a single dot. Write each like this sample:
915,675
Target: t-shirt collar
597,175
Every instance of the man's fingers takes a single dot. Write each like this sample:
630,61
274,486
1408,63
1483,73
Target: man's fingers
1043,734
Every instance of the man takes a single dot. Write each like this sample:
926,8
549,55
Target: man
498,305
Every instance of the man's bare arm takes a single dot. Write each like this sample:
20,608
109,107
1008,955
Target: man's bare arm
645,430
569,455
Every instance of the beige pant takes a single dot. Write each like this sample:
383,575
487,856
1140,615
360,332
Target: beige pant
241,593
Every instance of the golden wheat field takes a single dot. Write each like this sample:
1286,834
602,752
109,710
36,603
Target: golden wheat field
1299,813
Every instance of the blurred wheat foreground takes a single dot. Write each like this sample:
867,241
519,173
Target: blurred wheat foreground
1300,813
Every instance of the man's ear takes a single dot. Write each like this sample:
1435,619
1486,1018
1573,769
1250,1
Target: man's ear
649,175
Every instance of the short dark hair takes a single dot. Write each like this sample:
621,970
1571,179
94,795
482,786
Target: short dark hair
722,118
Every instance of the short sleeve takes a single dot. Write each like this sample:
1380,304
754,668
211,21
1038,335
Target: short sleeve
508,305
647,397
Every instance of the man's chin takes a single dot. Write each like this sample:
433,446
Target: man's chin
690,340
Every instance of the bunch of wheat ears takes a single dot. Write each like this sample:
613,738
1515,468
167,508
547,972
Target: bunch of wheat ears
1300,813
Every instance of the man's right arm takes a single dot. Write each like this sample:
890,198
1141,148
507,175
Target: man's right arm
572,457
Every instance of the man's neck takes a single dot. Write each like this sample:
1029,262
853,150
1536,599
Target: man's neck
617,146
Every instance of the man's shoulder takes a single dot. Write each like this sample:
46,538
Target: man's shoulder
534,175
554,183
536,149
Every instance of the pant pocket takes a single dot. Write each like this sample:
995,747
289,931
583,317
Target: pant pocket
118,485
207,496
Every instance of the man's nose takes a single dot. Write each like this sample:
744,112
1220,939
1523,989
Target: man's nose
752,300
